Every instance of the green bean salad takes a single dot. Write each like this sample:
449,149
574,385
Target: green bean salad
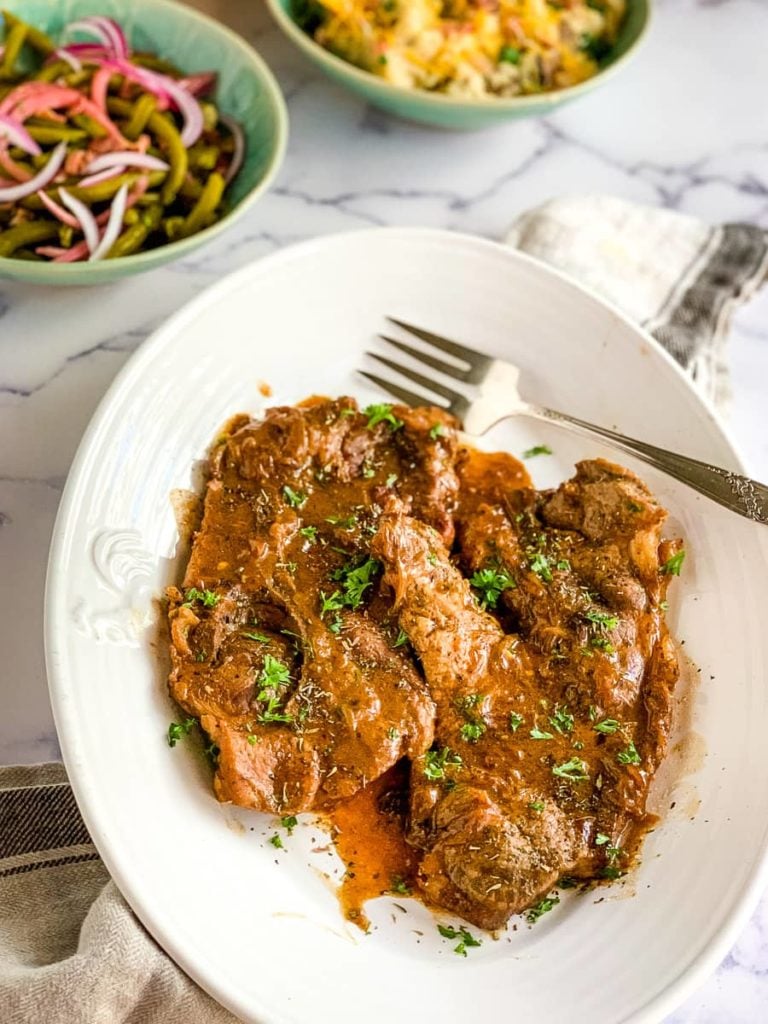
105,152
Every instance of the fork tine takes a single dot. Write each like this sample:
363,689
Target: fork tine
423,357
469,355
409,397
418,378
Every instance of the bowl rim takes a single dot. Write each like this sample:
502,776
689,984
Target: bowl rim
10,268
441,101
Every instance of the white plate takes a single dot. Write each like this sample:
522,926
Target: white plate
259,928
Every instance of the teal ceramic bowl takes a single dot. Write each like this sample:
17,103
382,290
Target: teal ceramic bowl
246,91
447,111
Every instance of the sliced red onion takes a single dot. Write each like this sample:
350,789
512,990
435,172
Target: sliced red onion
199,84
83,52
126,156
238,154
107,31
165,88
71,255
18,135
94,179
69,58
87,221
11,168
32,97
99,87
114,224
58,211
37,181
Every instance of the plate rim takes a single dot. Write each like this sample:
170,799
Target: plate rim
743,905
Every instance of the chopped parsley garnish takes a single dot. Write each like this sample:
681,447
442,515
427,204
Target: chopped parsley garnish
259,637
612,853
345,522
515,721
538,449
491,583
574,770
562,720
539,564
437,431
207,598
563,565
436,761
277,842
309,533
330,604
178,729
611,872
674,564
466,939
509,55
603,644
400,885
541,908
274,675
608,726
334,626
294,498
602,620
402,639
391,480
629,755
212,752
382,413
472,731
601,839
289,823
368,472
664,605
432,558
469,700
392,733
538,734
355,581
536,805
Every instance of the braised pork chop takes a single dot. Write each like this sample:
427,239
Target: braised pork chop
281,645
546,738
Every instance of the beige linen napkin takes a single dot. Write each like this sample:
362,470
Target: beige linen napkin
71,951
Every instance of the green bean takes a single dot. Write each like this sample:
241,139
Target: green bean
101,192
148,199
143,109
66,235
210,115
90,126
173,227
37,40
205,206
151,216
175,152
191,189
163,127
14,40
27,233
204,157
50,135
49,72
129,241
131,216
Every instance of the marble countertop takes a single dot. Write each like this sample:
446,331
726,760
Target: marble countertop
683,126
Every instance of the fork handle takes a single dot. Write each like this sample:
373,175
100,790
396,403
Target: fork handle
738,493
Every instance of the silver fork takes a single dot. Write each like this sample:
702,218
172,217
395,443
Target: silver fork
497,396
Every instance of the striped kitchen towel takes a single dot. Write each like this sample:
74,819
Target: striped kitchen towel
677,277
